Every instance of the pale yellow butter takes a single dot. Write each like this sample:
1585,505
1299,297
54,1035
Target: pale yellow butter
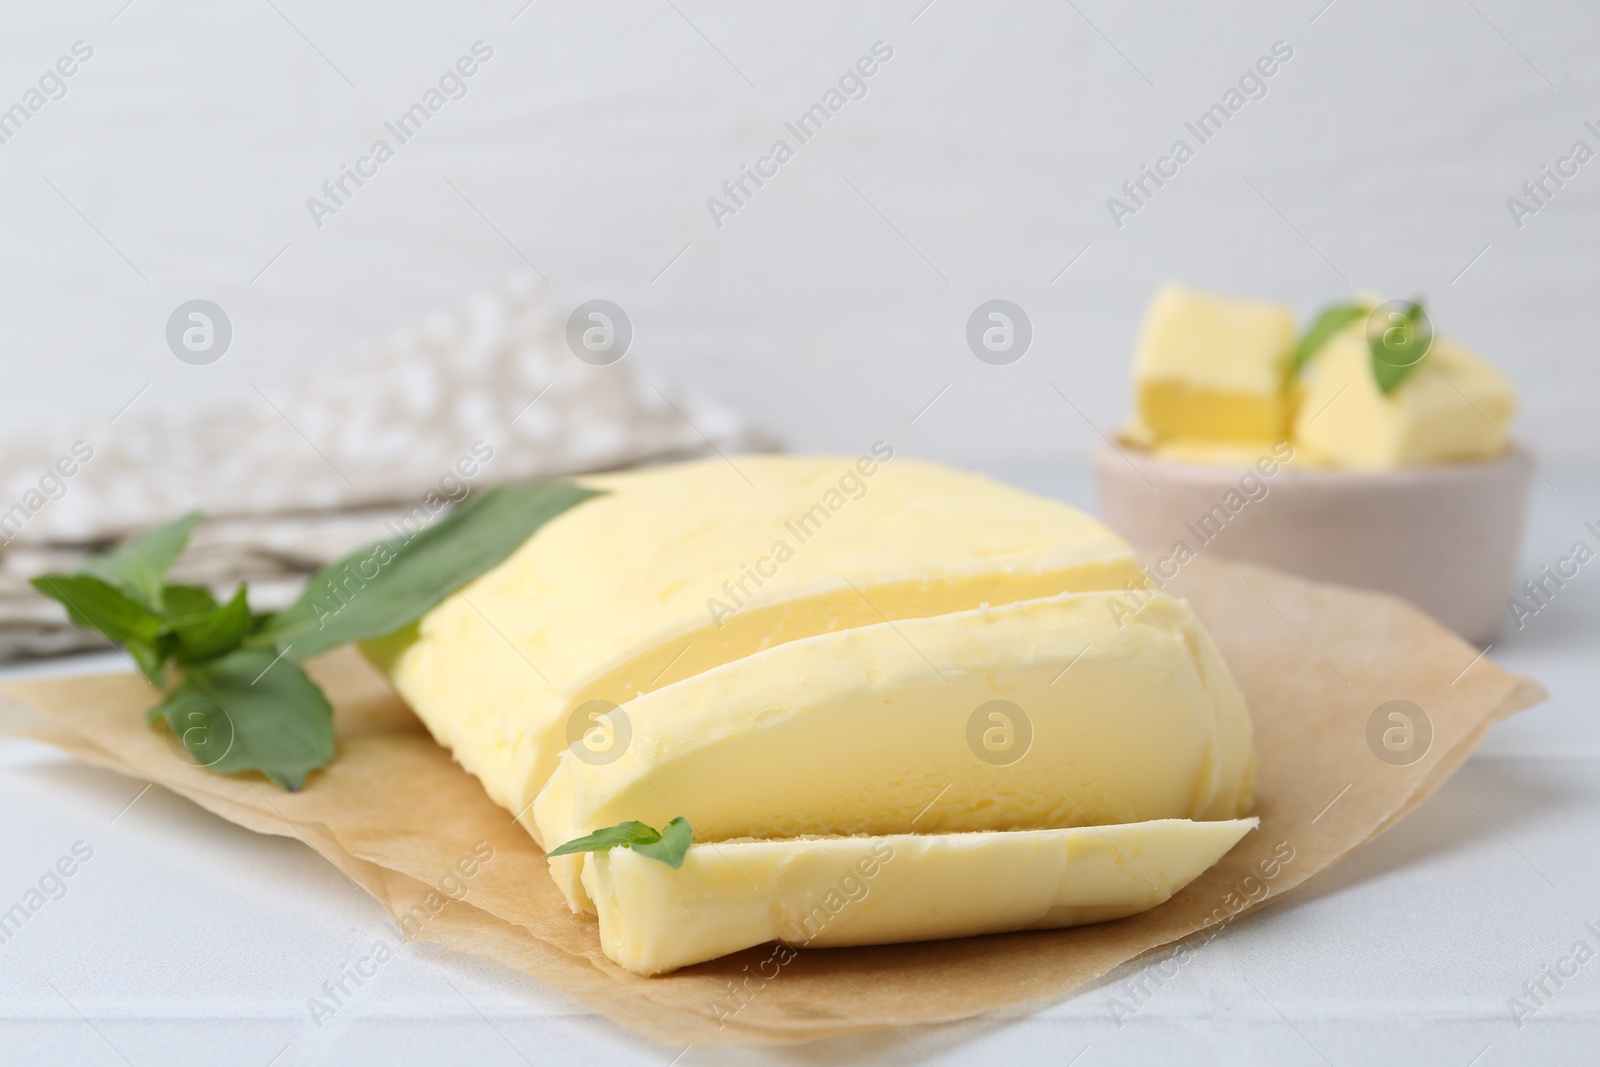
835,891
1214,368
807,647
1043,713
678,569
1454,407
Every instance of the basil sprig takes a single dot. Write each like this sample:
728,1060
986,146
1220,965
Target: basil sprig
668,845
412,576
1397,342
233,691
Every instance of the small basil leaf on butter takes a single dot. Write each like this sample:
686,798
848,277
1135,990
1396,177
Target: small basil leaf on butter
384,587
1328,322
250,711
1398,338
139,567
676,837
623,835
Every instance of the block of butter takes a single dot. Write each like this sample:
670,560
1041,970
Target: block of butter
1214,368
1042,713
1454,407
789,652
824,892
677,569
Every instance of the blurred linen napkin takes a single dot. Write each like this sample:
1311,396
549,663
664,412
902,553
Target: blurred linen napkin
295,480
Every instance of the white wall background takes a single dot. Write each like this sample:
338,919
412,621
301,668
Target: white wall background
592,139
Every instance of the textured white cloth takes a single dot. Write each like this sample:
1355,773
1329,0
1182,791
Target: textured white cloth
296,480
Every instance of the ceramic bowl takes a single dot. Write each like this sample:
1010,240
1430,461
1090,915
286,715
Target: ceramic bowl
1444,537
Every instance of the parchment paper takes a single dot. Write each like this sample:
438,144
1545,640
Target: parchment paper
396,815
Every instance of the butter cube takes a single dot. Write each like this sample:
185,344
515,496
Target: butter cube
1214,368
1454,407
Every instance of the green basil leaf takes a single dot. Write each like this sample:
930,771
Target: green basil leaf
1399,348
383,588
181,600
94,604
676,837
250,711
139,567
151,659
159,712
668,846
622,835
195,719
210,632
1322,329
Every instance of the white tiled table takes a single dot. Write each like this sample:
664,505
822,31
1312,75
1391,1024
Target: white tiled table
185,939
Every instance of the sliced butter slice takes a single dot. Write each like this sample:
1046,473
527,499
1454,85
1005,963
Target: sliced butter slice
678,569
1214,368
836,891
1103,717
1453,408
